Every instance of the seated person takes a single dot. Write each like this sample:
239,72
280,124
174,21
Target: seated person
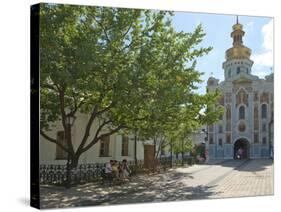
108,169
125,169
115,170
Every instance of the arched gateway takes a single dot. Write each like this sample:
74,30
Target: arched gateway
241,149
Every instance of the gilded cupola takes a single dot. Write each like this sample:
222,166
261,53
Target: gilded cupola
238,50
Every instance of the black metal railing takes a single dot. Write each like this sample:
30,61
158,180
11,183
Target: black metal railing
84,173
91,172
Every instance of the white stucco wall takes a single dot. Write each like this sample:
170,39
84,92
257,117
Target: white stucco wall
48,149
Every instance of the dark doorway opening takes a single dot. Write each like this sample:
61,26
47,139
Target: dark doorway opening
241,149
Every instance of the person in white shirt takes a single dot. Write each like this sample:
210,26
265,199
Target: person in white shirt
108,167
125,169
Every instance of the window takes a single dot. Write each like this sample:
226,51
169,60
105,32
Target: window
228,126
256,138
220,142
104,146
220,128
211,140
256,96
238,70
242,97
228,138
242,112
229,72
125,146
256,118
60,153
264,127
228,113
263,111
264,140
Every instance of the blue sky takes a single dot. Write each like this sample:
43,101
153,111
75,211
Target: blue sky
258,37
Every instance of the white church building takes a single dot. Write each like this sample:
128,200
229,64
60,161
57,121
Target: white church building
247,122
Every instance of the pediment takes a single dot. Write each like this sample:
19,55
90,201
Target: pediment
244,79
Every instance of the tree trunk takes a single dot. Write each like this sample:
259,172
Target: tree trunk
72,163
136,159
154,154
171,163
154,143
159,149
182,144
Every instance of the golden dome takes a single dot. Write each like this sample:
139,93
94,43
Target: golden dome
238,50
237,26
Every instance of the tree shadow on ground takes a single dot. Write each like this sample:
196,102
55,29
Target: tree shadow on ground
168,186
156,188
247,165
168,192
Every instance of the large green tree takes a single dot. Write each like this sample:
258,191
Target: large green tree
122,67
174,127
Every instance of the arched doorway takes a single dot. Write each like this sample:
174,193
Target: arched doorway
241,148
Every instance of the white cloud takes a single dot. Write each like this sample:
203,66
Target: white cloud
265,58
249,26
263,62
261,71
267,31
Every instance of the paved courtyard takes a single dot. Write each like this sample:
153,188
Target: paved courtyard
231,178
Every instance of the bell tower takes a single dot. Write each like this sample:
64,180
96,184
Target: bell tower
237,58
237,33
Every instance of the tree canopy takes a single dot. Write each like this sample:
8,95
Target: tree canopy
127,68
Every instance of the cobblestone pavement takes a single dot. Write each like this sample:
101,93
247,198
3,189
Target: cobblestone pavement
232,178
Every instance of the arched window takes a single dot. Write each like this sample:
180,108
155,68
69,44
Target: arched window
229,73
241,97
220,142
238,70
242,112
264,111
228,113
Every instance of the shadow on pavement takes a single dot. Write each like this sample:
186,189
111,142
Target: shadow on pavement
168,186
169,192
157,188
249,165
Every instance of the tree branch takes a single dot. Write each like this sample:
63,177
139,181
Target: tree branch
103,29
66,128
97,138
106,108
88,127
52,140
127,31
80,149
